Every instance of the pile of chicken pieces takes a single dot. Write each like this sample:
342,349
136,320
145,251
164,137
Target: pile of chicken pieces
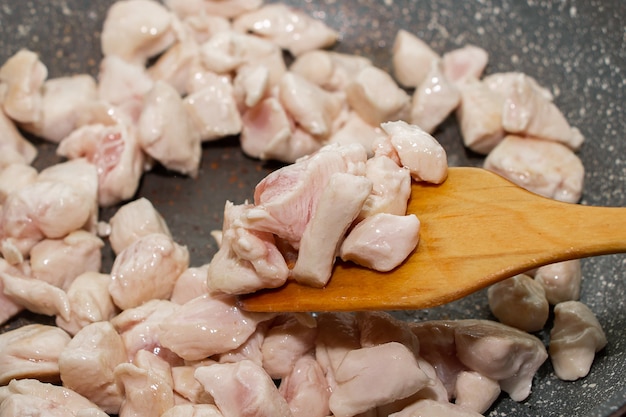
156,336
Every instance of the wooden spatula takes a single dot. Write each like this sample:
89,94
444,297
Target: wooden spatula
477,228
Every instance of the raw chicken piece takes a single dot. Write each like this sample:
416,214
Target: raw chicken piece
475,392
146,392
201,26
136,30
190,284
87,363
123,85
166,131
248,350
15,176
8,307
64,99
251,85
464,63
224,8
289,28
15,149
355,130
338,206
89,301
434,99
59,261
36,295
31,351
500,352
391,187
312,108
527,112
480,116
65,401
412,59
116,154
547,168
243,389
519,302
177,65
188,386
560,280
146,270
305,389
574,340
376,98
207,325
373,376
213,111
432,408
287,198
140,328
247,260
503,83
193,410
418,151
287,340
377,328
133,221
330,70
381,241
24,76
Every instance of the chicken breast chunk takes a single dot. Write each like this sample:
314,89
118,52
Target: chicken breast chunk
24,75
560,280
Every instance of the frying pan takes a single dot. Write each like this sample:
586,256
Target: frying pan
577,49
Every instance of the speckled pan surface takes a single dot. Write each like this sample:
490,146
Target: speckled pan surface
575,48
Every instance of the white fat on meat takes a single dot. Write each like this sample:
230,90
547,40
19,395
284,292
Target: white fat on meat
24,75
305,389
287,340
223,8
354,130
166,131
560,280
475,392
59,261
328,69
287,198
338,206
187,386
190,284
544,167
146,391
15,176
432,408
146,270
28,396
520,302
288,27
207,325
381,241
247,260
89,300
63,100
116,154
434,99
311,107
465,63
575,338
87,364
193,410
136,30
140,327
243,389
213,111
480,116
418,151
411,58
376,97
15,149
36,296
134,220
373,376
31,351
391,187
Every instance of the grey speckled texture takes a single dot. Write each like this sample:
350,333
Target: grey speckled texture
575,48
